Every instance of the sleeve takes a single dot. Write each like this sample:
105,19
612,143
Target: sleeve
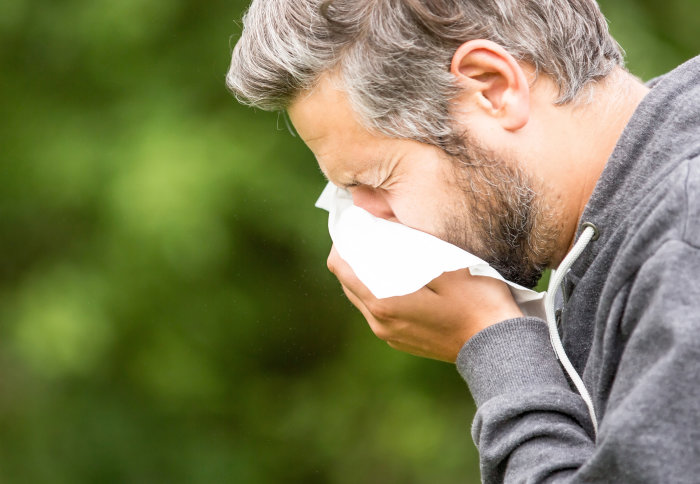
530,426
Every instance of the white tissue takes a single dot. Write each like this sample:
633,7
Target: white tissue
394,260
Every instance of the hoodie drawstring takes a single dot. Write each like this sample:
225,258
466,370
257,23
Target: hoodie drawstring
590,232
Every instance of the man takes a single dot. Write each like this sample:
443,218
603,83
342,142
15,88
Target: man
506,128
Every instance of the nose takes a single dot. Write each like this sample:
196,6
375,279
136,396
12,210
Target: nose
373,200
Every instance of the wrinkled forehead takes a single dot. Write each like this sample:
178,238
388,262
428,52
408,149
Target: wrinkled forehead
323,110
330,128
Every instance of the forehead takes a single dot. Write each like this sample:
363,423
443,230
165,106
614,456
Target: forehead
330,128
323,109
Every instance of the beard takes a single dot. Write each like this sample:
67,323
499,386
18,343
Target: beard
501,216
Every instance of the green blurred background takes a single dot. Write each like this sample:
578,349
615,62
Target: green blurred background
166,314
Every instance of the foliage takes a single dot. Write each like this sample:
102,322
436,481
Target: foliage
166,311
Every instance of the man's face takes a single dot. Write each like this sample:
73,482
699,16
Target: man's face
478,201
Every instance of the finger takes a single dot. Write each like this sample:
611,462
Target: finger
356,301
346,276
448,280
383,331
463,279
493,296
384,309
377,328
372,309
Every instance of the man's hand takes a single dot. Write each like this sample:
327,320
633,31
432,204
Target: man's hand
436,320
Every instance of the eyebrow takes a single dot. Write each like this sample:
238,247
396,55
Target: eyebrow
355,181
358,179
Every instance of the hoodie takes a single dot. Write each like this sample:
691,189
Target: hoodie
629,323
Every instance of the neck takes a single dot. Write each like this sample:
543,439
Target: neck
592,132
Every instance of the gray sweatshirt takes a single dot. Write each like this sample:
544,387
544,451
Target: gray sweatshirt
630,324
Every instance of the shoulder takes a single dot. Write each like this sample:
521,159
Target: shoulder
668,211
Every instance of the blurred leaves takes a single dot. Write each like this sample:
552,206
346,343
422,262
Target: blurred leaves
61,327
166,311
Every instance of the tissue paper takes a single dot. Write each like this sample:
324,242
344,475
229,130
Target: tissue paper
392,259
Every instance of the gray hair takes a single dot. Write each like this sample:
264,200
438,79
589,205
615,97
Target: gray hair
393,56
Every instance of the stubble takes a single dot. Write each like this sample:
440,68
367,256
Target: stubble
501,214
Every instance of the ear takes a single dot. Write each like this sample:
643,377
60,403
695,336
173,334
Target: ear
493,81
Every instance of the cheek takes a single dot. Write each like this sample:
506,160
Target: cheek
420,213
421,193
373,201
